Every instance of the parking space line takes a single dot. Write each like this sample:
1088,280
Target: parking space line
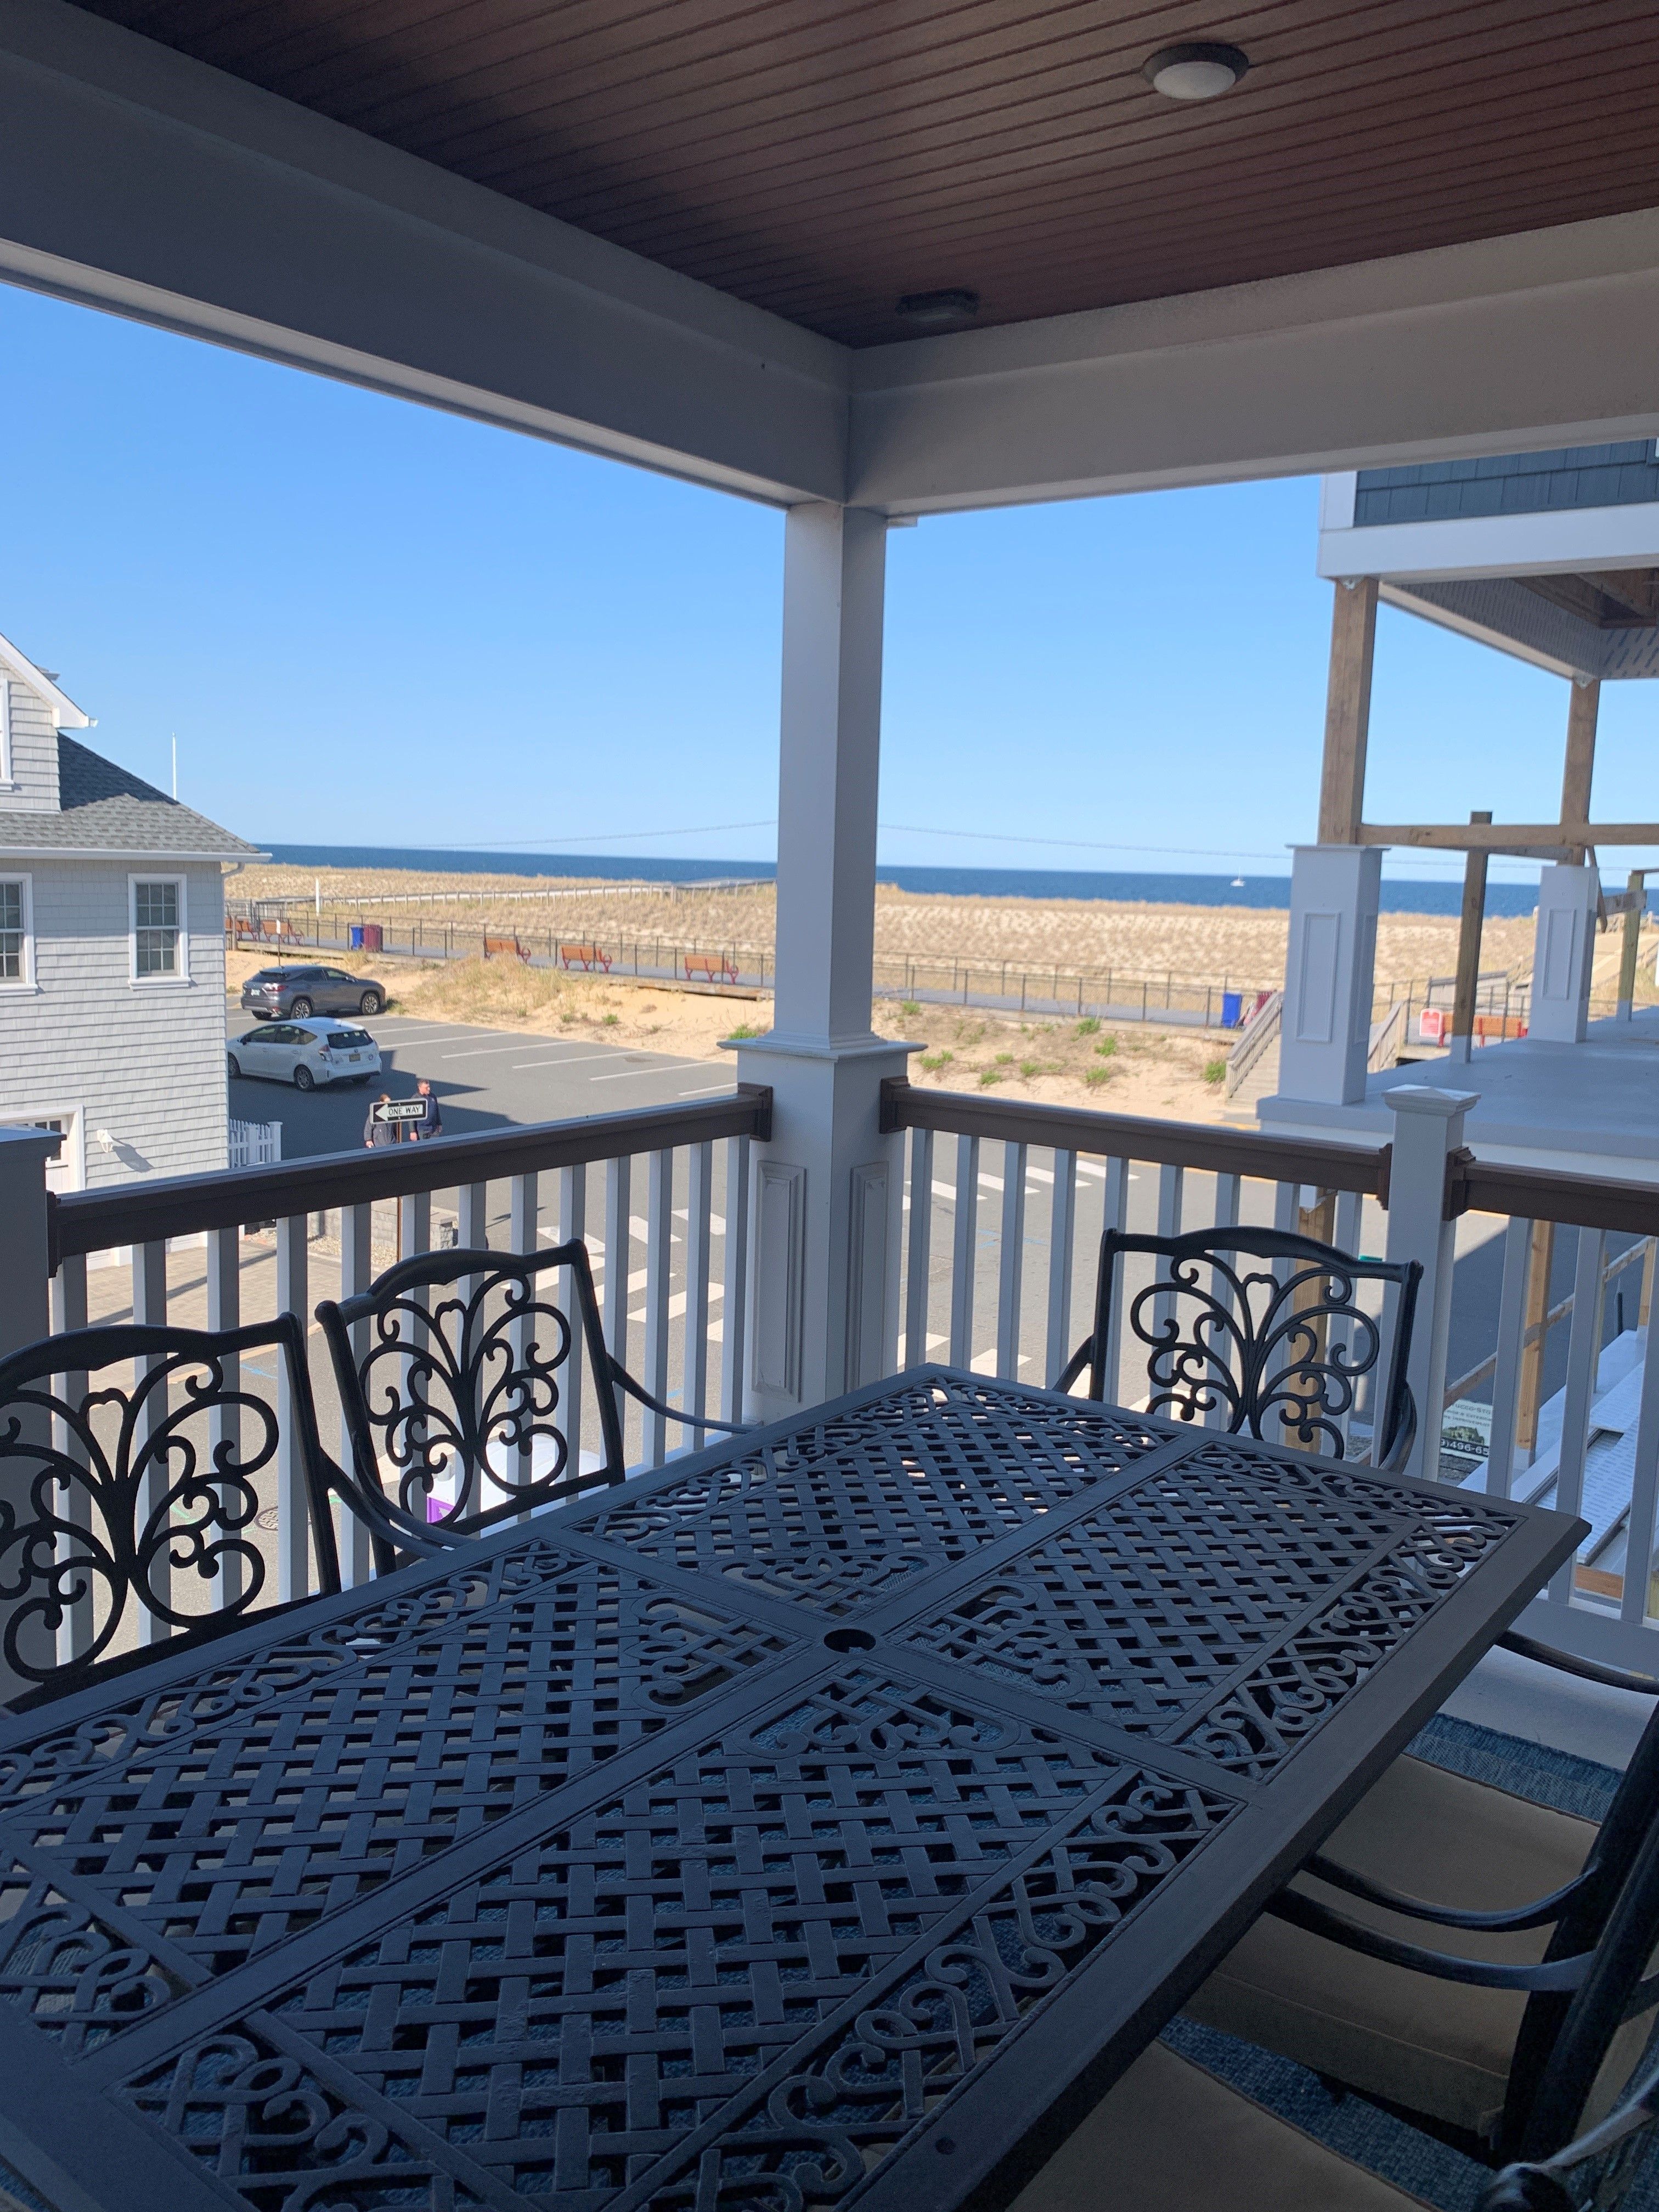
572,1060
662,1068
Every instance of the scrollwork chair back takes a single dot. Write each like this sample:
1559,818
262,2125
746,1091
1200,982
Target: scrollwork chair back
1262,1332
135,1465
461,1378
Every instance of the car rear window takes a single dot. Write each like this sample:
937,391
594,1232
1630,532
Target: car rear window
350,1038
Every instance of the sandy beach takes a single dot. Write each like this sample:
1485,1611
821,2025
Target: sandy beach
1130,1068
1242,945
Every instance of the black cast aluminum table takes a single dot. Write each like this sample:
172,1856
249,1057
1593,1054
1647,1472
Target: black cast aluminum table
831,1816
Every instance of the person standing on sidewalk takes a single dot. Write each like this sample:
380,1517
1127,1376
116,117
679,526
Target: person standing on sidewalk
380,1133
431,1123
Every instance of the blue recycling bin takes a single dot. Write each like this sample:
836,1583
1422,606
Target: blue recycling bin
356,936
1232,1005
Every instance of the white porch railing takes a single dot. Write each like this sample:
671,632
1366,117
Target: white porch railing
1005,1205
659,1196
1003,1209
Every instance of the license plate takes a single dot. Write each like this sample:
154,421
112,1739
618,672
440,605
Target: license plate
354,1055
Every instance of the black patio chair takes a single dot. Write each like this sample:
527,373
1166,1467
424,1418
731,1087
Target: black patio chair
1594,2173
1498,2051
1276,1351
1174,2137
467,1390
121,1495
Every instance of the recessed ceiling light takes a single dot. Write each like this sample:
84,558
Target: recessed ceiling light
1203,70
934,309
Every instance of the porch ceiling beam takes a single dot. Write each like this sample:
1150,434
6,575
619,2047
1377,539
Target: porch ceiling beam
1542,338
134,179
1524,839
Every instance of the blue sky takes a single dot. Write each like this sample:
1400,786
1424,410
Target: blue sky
372,623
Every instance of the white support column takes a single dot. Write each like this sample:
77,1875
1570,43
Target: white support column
25,1268
1564,949
1326,1028
1428,1126
827,1188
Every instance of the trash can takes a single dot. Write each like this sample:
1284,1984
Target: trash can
1232,1009
370,933
357,939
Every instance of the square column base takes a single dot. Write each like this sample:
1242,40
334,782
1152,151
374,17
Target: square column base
1564,951
826,1208
1326,1027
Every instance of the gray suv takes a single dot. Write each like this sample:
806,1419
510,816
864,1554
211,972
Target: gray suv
292,992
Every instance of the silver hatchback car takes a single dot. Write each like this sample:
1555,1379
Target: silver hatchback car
305,1054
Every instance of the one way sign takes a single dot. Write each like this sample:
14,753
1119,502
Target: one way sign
399,1110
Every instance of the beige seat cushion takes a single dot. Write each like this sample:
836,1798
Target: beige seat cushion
1439,2048
1171,2138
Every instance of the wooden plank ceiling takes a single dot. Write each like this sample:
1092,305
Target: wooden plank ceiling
824,157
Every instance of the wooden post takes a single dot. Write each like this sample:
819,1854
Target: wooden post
1348,711
1540,1261
1630,951
1468,948
1583,707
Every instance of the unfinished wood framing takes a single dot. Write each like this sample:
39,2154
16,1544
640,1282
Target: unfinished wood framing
1583,706
1348,710
1537,841
1470,924
1540,1262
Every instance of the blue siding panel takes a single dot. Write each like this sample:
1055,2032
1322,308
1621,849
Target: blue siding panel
1625,474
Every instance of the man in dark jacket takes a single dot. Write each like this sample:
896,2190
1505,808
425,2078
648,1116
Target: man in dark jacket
431,1123
380,1133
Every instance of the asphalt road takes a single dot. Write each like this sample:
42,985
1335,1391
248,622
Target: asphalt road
483,1078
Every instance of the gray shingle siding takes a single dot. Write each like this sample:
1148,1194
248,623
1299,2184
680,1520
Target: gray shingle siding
1625,475
100,807
34,781
146,1061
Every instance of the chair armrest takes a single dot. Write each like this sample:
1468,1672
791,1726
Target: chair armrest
1569,1662
624,1381
1538,1914
1484,1973
1075,1365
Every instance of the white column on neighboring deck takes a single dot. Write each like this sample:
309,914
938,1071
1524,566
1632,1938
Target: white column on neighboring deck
1326,1026
1564,949
827,1188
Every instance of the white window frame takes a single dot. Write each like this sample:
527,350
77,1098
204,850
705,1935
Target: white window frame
25,981
180,979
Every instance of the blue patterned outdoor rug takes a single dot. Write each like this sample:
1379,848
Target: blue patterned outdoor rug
1400,2153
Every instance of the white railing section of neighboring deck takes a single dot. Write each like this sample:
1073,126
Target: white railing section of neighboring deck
1007,1203
659,1196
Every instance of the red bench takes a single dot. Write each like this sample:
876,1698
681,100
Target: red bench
585,955
714,965
503,947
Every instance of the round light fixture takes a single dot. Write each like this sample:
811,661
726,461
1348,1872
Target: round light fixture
933,310
1203,70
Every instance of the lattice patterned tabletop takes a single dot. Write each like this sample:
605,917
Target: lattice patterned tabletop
831,1816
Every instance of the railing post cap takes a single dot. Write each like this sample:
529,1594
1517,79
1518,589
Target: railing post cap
1423,1098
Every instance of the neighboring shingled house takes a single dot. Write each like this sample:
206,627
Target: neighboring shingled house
112,950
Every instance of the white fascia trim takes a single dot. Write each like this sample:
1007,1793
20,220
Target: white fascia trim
1540,338
1579,538
67,714
134,178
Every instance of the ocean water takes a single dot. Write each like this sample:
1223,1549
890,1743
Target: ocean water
1399,896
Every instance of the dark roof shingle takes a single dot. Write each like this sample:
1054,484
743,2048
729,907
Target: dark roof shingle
103,808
